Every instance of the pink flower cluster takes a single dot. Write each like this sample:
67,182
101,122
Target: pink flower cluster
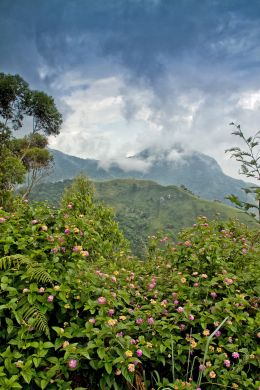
102,300
72,363
229,281
152,285
50,298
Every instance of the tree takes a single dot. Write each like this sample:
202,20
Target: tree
249,158
27,155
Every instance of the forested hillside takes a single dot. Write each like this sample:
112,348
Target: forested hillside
143,208
198,172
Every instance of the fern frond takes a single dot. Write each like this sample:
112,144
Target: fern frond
39,275
11,261
40,322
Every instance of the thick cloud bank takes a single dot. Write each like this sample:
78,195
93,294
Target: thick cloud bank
136,74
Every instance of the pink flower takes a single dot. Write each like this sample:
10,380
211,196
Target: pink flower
235,355
218,333
2,220
50,298
151,286
228,281
180,309
204,276
67,231
174,294
70,206
196,284
150,321
187,243
182,327
111,312
84,253
92,320
176,302
202,367
139,321
139,352
227,363
41,290
132,341
191,317
73,363
34,222
77,248
102,300
213,295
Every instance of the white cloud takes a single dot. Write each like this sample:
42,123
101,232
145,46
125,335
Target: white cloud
250,100
109,119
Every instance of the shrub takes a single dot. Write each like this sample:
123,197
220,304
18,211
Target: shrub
77,311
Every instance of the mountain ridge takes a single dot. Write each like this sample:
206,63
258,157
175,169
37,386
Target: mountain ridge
200,173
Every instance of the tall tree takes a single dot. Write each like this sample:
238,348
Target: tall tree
29,154
249,158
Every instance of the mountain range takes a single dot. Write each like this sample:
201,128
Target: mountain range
195,171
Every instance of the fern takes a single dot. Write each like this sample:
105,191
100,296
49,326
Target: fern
33,314
33,271
39,274
12,261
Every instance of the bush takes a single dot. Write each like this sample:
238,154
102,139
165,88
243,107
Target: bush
77,311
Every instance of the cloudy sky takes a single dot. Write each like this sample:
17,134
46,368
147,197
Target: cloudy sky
132,74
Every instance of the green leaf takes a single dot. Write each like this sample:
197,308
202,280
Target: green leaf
101,352
108,367
27,375
48,344
44,384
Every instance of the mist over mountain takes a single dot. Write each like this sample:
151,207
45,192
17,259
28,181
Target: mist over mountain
198,172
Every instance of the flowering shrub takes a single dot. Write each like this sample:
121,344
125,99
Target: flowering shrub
185,318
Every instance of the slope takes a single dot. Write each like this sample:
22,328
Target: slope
143,208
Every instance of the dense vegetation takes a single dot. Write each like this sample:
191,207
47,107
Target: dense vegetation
143,208
28,156
77,311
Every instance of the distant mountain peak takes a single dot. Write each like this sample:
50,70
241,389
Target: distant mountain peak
173,166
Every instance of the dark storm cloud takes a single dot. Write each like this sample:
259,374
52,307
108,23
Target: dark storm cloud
143,36
179,65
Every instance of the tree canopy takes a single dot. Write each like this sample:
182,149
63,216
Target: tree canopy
28,154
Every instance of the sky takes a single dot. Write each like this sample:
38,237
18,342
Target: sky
134,74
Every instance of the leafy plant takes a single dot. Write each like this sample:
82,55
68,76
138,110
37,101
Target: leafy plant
249,158
78,311
19,156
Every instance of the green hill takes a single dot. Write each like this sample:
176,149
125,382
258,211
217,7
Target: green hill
198,172
143,208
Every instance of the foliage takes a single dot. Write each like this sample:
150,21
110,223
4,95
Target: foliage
77,311
250,167
143,208
19,156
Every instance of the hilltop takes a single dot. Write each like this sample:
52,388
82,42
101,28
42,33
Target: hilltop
143,207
